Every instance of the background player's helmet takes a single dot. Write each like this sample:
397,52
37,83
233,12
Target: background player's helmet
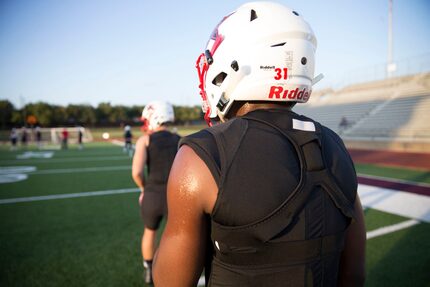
263,51
127,128
155,114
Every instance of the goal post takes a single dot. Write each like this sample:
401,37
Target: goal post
56,134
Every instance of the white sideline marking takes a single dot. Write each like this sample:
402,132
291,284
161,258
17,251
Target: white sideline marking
16,169
65,159
35,154
402,203
391,228
83,169
10,178
67,195
10,174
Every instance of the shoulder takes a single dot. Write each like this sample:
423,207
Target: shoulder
330,136
174,135
203,145
142,141
325,131
191,180
197,136
209,133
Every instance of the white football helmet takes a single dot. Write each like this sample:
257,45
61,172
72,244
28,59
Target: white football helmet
155,114
263,51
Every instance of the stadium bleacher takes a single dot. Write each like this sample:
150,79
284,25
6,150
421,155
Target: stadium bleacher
395,109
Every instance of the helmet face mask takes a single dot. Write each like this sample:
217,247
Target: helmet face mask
155,114
202,69
145,125
263,51
203,61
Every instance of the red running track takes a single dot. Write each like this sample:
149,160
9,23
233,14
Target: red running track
418,161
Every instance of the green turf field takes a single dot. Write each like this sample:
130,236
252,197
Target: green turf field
118,132
95,240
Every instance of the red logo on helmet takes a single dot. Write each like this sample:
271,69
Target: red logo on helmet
278,92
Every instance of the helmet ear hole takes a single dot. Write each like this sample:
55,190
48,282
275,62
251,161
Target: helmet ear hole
219,79
304,60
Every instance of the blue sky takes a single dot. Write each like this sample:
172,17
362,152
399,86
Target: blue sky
134,51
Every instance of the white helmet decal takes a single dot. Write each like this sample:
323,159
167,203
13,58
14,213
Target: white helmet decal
263,51
157,113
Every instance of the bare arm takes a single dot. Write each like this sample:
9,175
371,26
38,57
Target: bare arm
191,194
352,262
139,162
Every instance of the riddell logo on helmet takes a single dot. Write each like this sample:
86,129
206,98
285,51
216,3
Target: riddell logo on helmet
267,67
278,92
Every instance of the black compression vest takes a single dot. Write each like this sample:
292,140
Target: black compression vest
161,151
128,136
286,188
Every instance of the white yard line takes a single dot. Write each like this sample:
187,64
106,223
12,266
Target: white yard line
82,169
67,195
201,281
391,228
402,203
65,159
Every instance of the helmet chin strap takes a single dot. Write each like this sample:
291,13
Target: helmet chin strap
221,118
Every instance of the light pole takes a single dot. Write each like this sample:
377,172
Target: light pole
391,67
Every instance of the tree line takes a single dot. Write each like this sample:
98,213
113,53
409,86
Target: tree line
105,114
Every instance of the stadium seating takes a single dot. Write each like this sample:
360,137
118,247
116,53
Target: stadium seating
393,109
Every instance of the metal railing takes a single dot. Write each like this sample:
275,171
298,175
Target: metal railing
410,66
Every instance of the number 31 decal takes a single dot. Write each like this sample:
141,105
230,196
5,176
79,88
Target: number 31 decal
281,73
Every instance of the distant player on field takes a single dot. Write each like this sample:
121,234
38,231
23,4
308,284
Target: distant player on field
155,150
128,137
267,197
13,138
24,137
80,137
64,138
38,137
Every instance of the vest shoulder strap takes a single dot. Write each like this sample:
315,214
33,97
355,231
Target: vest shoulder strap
228,137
